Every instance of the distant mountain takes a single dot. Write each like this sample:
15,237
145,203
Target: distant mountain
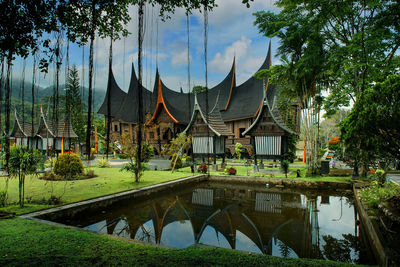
43,92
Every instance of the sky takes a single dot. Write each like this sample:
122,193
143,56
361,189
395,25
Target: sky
231,33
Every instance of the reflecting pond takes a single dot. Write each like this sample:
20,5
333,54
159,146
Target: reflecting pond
285,223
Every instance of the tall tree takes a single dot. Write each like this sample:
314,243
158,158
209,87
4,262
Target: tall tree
74,104
341,46
22,23
371,131
83,20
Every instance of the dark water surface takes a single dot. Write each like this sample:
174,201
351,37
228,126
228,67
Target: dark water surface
286,223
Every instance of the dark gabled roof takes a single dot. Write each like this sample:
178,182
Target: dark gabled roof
234,103
61,128
129,106
178,104
247,98
116,95
270,105
220,94
214,120
22,129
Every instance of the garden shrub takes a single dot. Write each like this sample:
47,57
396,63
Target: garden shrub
54,200
103,163
376,194
123,156
380,176
231,171
202,168
178,163
68,165
285,166
3,198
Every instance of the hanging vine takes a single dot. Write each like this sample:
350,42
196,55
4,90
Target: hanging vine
206,80
138,170
109,98
23,92
33,97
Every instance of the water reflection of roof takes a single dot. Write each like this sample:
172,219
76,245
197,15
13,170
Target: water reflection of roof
260,224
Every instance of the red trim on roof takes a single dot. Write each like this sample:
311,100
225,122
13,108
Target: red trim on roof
230,92
160,101
266,91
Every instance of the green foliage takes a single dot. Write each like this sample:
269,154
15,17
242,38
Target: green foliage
176,161
103,163
147,152
199,89
376,194
188,159
381,177
238,150
369,131
74,103
285,166
68,165
132,168
177,147
102,250
3,198
292,142
130,152
23,162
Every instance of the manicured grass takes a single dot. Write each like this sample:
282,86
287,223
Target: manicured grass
247,171
26,209
28,243
109,181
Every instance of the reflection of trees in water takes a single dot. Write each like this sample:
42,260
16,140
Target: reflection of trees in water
145,235
283,249
340,249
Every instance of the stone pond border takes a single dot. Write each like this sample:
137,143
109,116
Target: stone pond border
103,201
372,231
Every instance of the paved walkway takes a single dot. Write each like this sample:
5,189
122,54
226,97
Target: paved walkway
394,177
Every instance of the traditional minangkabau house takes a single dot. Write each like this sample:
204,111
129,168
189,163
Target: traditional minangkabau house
23,133
269,134
167,112
208,131
47,135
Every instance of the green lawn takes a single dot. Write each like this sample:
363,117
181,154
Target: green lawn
247,171
28,243
109,181
59,246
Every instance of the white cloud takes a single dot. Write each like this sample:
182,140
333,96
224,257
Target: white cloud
180,58
223,62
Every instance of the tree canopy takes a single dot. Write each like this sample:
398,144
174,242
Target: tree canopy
342,47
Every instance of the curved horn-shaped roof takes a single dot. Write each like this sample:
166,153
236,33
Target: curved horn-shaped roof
116,96
129,108
214,120
246,98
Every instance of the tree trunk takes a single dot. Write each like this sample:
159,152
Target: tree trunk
89,117
1,104
109,100
8,106
139,94
33,100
